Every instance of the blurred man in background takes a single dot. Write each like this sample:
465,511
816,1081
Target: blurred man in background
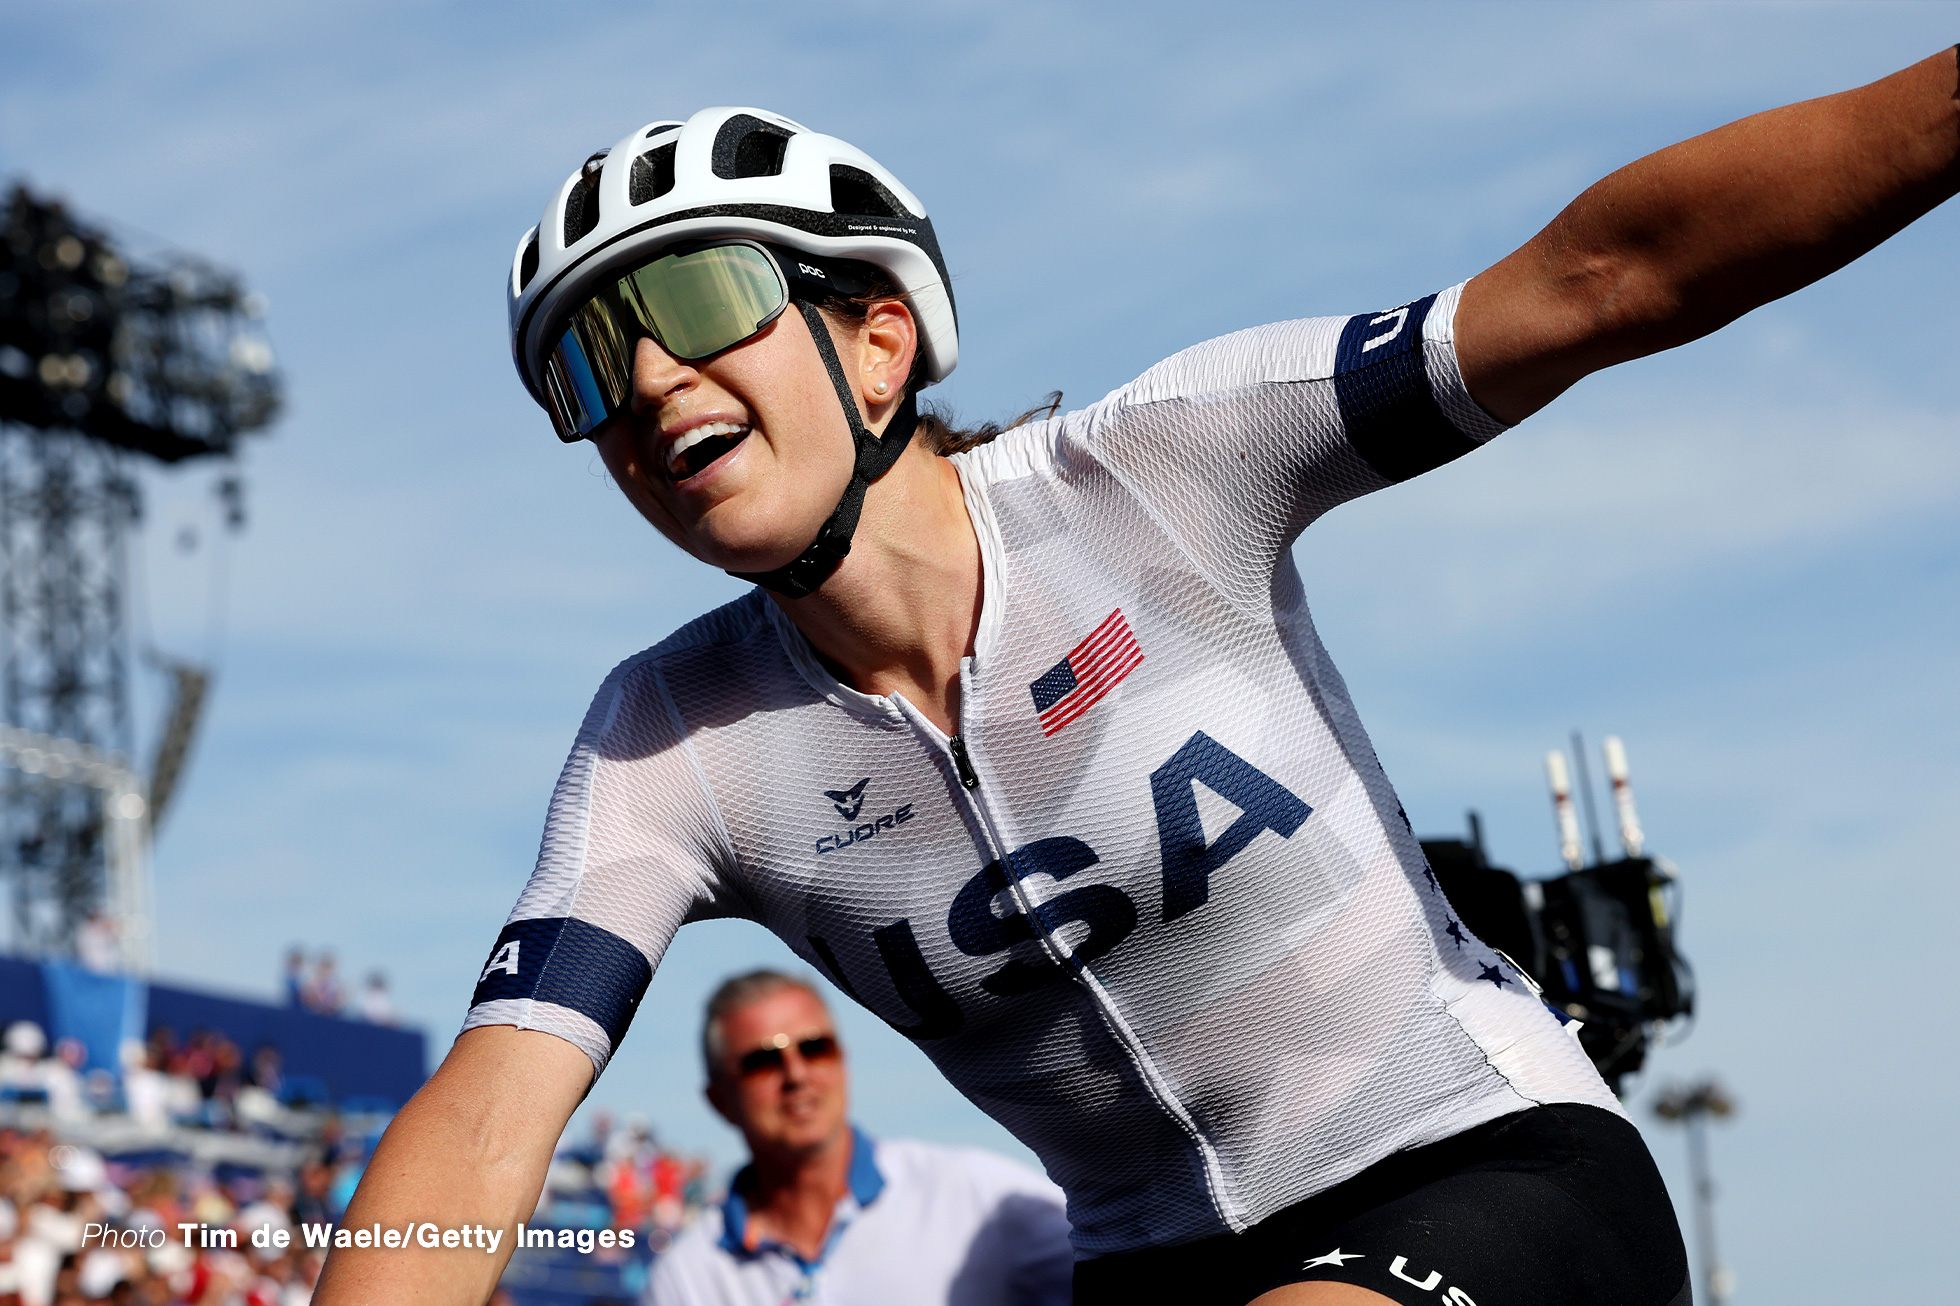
823,1213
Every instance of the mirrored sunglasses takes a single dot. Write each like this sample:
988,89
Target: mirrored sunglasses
695,302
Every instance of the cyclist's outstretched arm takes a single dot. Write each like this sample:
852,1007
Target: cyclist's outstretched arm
1688,239
470,1149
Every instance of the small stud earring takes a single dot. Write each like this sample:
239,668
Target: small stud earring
881,387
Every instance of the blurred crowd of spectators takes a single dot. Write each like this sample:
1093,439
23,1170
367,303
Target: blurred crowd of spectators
77,1227
643,1186
81,1223
202,1080
617,1178
60,1192
318,989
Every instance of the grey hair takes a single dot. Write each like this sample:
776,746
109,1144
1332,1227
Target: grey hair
739,991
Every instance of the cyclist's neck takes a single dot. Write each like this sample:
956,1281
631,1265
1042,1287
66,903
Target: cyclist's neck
902,610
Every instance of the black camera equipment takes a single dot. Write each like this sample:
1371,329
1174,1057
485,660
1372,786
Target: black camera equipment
1598,941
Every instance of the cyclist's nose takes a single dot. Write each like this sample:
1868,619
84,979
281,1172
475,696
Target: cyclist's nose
657,375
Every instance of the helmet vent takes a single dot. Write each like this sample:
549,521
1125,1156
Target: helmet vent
581,210
527,267
653,175
746,146
853,190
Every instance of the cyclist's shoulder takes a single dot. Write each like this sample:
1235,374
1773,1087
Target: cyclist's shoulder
735,622
1024,450
1300,349
698,644
1303,349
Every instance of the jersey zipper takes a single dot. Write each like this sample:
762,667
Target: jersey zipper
1153,1079
969,779
1119,1027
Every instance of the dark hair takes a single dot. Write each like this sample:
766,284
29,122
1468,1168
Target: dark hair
938,428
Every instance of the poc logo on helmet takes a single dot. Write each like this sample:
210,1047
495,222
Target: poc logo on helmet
849,802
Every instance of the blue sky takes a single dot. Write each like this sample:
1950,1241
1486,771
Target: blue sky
1741,557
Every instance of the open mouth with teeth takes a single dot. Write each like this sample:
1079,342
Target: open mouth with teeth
695,449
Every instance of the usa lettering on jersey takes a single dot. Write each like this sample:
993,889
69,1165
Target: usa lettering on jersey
1188,862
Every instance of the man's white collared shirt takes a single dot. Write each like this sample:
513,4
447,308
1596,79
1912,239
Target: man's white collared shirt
921,1223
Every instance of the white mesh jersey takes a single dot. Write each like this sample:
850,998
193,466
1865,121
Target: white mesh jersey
1156,909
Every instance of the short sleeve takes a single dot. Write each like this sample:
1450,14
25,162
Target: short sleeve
1239,443
633,847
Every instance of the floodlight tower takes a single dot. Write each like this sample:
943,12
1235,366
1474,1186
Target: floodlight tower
101,359
1693,1107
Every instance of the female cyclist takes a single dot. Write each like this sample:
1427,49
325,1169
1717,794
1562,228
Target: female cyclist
1029,745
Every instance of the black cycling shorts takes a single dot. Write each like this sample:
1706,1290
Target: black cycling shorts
1554,1206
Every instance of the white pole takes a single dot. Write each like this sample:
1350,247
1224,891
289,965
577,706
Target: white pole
1616,768
126,814
1568,819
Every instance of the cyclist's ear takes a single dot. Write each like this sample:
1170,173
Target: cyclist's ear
888,340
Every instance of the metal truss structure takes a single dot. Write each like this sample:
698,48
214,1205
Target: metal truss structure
103,360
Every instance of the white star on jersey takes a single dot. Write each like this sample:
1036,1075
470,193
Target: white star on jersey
1334,1258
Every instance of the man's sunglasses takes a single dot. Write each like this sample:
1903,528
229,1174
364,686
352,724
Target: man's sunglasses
769,1060
695,300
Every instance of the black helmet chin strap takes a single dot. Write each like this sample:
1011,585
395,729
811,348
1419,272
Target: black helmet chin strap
874,458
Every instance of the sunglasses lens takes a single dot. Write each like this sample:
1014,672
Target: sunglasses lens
771,1061
591,370
702,302
761,1061
695,304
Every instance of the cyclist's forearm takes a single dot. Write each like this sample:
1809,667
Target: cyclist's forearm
1687,239
468,1153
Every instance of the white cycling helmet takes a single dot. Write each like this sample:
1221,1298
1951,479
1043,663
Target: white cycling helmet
726,177
724,172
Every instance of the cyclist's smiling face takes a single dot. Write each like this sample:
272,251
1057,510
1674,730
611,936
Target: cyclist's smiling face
737,458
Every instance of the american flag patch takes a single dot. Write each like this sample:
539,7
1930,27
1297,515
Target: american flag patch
1078,682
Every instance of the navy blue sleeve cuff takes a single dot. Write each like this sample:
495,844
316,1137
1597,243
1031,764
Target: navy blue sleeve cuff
570,963
1387,408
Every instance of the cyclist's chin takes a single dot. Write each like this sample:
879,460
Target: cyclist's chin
750,541
756,523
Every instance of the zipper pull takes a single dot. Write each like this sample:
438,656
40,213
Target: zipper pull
964,764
